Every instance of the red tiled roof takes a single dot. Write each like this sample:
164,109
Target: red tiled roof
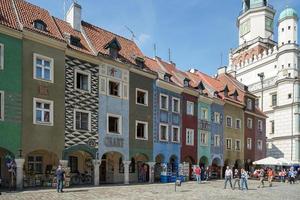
28,13
8,16
66,27
100,37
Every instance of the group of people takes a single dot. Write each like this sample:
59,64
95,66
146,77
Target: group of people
201,174
240,177
289,175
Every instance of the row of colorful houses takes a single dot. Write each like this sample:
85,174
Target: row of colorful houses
76,94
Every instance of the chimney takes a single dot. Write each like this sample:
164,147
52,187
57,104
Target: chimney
222,70
73,16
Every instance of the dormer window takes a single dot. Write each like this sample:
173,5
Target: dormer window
40,25
113,47
226,90
200,87
186,82
75,41
167,77
140,62
235,95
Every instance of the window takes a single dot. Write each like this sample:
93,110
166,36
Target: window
204,113
141,130
289,27
217,140
249,123
237,145
1,105
75,41
141,97
82,120
257,103
189,137
228,143
289,96
217,117
272,127
282,29
164,99
35,164
163,132
238,123
43,112
82,80
274,99
39,24
189,108
114,124
259,144
203,138
73,164
1,56
229,121
260,125
175,105
249,143
43,68
249,104
175,134
114,88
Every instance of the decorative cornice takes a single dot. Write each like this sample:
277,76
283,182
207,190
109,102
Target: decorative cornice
10,31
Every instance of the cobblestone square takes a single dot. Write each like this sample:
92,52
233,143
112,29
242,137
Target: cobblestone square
189,190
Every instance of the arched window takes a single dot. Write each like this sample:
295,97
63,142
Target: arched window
39,24
121,165
132,166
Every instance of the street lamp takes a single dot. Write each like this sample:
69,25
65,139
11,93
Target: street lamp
292,114
262,76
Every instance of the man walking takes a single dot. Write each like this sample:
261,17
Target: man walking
198,174
60,176
270,176
228,177
292,175
236,177
261,176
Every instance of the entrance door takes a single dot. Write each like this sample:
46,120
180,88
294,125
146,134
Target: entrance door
103,171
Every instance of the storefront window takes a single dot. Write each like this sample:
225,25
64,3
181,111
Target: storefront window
35,164
73,164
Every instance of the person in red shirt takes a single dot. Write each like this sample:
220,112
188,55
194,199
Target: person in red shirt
198,173
270,176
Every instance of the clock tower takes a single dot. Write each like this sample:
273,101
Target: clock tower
255,20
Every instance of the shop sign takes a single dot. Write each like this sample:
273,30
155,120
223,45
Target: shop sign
114,142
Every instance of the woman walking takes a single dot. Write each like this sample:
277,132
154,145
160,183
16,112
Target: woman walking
244,177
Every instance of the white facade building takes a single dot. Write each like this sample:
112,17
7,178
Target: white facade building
260,59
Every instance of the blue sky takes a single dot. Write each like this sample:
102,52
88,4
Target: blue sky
196,31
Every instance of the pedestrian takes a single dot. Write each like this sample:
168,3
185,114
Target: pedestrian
228,177
270,176
236,177
261,176
202,173
198,174
298,174
60,176
292,175
244,179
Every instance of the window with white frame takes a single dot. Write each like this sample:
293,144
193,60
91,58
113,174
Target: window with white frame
189,137
82,80
189,108
43,112
204,113
272,124
175,105
204,138
237,123
237,145
175,134
35,164
114,124
141,97
82,120
163,132
217,140
114,88
164,102
259,144
249,143
43,68
1,56
260,125
228,143
249,104
141,130
229,121
249,123
1,105
217,117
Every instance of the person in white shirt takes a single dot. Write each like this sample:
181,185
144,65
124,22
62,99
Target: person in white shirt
228,177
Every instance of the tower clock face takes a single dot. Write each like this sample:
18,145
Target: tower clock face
245,28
